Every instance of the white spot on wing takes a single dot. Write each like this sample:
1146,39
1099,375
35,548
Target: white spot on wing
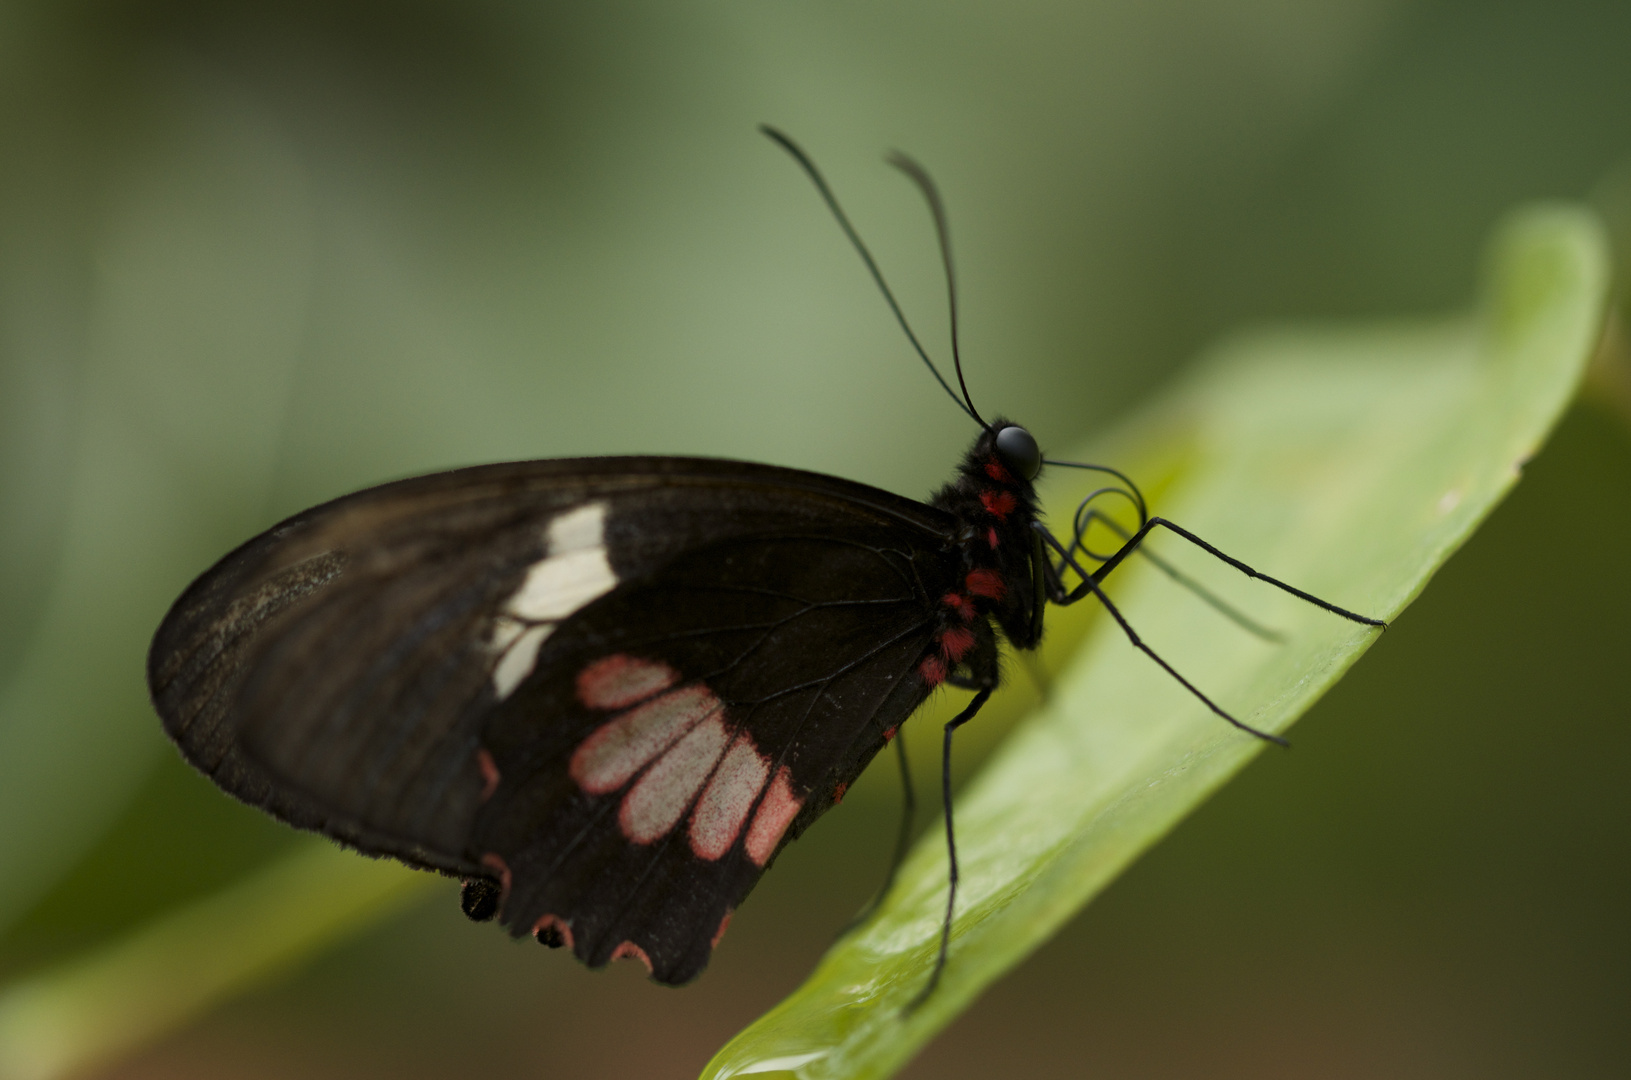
518,659
505,631
574,572
561,584
578,530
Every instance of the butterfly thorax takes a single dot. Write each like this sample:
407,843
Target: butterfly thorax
995,508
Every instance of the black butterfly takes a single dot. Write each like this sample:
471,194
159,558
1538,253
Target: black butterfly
607,691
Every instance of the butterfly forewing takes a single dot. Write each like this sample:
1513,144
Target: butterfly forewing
403,669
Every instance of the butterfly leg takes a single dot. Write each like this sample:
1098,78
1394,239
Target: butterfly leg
903,839
1090,584
1138,538
951,840
1207,596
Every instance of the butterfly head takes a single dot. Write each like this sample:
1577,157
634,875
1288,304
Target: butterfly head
1006,453
1016,448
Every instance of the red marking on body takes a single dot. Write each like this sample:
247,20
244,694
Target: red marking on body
955,642
998,473
776,811
618,681
999,504
962,604
838,793
544,926
489,773
498,866
624,744
933,670
654,805
987,583
992,538
891,733
713,942
724,807
629,950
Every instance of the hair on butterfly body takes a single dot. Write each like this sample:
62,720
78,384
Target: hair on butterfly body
606,692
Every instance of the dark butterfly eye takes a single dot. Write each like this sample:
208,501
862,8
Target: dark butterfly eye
1018,450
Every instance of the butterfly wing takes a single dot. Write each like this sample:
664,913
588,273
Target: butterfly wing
405,669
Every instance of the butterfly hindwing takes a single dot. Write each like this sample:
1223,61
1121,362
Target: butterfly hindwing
705,717
345,669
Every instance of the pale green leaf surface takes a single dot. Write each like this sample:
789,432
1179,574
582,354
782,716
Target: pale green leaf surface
90,1011
1349,462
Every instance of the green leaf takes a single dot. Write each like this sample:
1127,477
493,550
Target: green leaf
90,1011
1350,462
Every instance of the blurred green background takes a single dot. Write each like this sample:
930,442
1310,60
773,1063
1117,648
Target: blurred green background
256,255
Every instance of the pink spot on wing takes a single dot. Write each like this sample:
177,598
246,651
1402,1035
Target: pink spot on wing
713,942
776,811
489,774
725,805
933,670
987,583
955,642
499,867
629,950
624,744
555,923
658,798
619,681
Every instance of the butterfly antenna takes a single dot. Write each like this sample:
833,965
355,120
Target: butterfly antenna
877,275
931,194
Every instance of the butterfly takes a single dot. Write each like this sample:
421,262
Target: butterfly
606,692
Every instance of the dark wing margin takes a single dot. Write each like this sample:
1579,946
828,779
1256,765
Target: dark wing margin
338,670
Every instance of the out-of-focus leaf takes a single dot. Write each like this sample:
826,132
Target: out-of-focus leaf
1352,463
1608,382
197,310
177,841
88,1011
